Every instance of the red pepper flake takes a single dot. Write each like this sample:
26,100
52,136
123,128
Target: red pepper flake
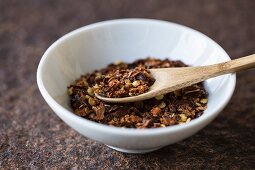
100,110
155,111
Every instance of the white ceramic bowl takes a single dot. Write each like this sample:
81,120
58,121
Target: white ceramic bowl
94,46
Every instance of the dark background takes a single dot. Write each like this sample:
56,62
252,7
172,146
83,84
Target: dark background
32,136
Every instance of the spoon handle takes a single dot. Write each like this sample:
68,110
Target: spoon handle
239,64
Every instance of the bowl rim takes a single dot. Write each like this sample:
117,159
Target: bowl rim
120,130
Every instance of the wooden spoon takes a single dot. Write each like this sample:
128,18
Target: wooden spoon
171,79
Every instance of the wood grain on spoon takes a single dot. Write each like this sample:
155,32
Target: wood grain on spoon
171,79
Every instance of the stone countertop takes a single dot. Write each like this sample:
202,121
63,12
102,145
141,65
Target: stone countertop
32,136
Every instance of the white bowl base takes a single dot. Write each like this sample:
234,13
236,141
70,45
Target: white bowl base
138,151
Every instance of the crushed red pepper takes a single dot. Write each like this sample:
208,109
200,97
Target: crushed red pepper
124,82
177,107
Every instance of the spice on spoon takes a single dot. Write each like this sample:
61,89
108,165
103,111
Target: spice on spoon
124,83
122,80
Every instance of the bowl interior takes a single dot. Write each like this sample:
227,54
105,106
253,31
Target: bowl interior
93,47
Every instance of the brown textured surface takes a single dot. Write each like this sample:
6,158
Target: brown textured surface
32,136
